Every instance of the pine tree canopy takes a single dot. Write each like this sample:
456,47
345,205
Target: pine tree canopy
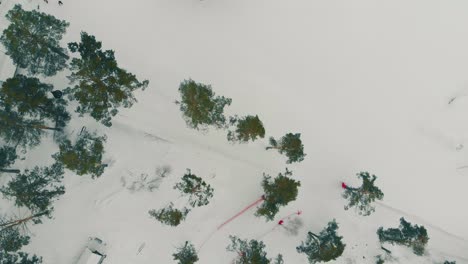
33,41
85,156
102,86
7,156
170,215
200,107
250,252
28,96
409,235
186,254
17,130
198,190
11,239
325,246
247,128
291,145
18,258
36,189
363,197
277,192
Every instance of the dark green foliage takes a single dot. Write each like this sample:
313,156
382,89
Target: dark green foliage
363,197
450,262
33,41
198,190
7,156
36,189
170,215
412,236
247,128
379,259
291,145
12,240
325,246
278,192
18,258
200,106
85,156
102,86
28,96
279,259
250,252
186,254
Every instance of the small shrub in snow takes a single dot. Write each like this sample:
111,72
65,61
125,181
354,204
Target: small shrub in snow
186,254
291,145
249,252
406,234
363,197
325,246
198,191
170,215
200,106
277,192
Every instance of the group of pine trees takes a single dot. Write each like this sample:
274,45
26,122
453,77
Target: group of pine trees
201,108
29,108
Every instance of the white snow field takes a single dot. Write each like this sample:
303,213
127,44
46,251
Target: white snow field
367,84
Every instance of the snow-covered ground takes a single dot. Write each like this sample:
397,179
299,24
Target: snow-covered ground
366,83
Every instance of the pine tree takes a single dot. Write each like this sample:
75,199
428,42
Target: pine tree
409,235
29,96
12,240
279,259
18,130
247,128
363,197
36,189
170,215
33,41
18,258
186,254
200,106
278,192
7,158
85,156
102,86
198,190
291,145
325,246
250,252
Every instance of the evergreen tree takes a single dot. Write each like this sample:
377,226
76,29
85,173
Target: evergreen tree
170,215
200,106
186,254
28,96
198,190
409,235
291,145
379,259
247,128
36,189
33,41
279,259
7,158
18,130
102,86
250,252
363,197
11,240
278,192
450,262
85,156
18,258
325,246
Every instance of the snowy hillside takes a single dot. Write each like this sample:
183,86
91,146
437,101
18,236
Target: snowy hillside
378,86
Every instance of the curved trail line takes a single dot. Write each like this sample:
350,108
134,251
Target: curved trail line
279,223
229,220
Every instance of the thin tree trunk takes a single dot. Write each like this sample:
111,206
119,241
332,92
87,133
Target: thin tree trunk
22,221
386,250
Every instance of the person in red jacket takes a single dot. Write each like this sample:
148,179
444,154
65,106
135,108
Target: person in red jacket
344,186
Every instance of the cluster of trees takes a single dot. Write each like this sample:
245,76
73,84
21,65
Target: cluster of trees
201,108
29,108
197,192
